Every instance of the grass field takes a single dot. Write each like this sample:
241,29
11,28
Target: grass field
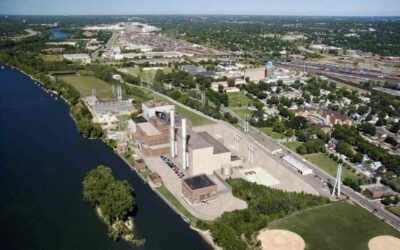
336,226
51,58
395,210
239,99
147,75
328,165
322,161
274,135
242,113
292,145
85,84
197,120
171,198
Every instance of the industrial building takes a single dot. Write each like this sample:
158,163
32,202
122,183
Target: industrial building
80,58
199,153
255,74
198,189
153,130
299,166
152,108
198,71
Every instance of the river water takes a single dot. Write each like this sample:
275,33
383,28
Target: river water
43,161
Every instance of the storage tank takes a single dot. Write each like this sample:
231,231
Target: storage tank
226,170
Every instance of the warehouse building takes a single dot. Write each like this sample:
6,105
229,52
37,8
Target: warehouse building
198,189
299,166
80,58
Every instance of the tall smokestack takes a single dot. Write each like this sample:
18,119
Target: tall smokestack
184,143
172,132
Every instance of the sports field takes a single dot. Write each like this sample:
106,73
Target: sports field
85,84
335,226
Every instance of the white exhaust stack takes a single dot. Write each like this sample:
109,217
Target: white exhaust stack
184,165
172,132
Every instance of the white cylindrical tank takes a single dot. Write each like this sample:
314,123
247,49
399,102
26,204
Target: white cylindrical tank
227,170
172,132
184,165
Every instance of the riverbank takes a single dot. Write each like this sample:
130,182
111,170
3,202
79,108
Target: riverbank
179,222
206,235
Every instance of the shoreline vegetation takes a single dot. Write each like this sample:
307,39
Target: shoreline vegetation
113,201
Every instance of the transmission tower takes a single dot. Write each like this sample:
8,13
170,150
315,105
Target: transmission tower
113,91
119,93
246,125
338,182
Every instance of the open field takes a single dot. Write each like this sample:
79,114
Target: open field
85,84
147,75
197,120
171,198
274,135
328,165
395,210
239,99
242,113
335,226
292,145
51,58
322,161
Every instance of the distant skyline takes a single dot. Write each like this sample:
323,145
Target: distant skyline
223,7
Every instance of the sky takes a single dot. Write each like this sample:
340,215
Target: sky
223,7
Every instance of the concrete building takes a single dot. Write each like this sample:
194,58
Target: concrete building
80,58
198,189
255,74
151,109
201,153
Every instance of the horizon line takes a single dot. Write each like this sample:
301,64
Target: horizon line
192,14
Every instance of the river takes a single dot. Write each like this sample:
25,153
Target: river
43,161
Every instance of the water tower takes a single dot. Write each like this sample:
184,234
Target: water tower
269,70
